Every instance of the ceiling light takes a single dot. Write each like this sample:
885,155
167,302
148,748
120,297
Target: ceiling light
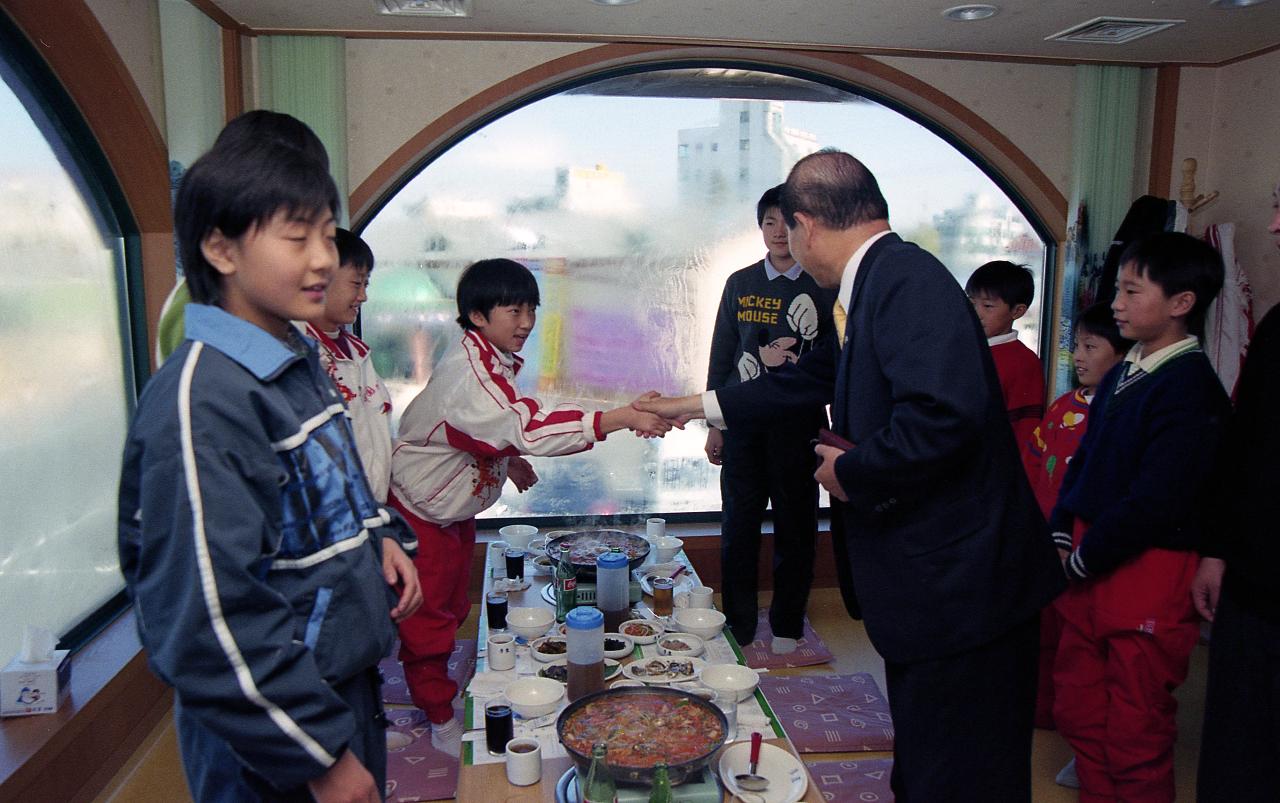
614,2
971,13
1230,4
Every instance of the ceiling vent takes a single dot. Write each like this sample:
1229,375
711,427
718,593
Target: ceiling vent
424,8
1111,30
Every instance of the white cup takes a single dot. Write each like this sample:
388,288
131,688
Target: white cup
666,548
696,597
518,535
496,561
524,761
654,529
502,652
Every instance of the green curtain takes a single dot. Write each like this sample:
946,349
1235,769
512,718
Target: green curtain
1104,151
306,76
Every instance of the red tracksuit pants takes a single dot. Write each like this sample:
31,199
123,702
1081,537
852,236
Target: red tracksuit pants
1126,643
427,637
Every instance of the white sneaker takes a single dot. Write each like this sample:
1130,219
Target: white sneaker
1067,775
782,645
447,737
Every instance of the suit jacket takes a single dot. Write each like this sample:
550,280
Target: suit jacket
946,545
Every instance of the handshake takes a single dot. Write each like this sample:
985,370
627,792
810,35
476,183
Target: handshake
653,415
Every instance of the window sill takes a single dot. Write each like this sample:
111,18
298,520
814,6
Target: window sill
71,755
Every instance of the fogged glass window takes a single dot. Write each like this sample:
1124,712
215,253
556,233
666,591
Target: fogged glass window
63,398
632,233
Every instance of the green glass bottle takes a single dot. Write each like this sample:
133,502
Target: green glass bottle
599,787
661,785
566,587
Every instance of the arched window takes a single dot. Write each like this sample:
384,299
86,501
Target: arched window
632,198
67,376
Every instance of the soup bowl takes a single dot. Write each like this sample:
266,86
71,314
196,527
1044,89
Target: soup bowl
596,718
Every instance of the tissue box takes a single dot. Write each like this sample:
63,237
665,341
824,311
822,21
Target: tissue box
35,688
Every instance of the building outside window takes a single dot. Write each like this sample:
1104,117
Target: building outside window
631,252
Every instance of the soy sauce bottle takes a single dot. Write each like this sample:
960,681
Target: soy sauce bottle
599,786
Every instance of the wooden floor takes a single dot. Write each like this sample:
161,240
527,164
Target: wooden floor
156,774
848,642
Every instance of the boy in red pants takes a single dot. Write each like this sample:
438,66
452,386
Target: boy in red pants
460,439
1129,519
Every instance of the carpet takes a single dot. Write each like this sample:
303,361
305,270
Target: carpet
831,713
860,781
417,771
462,665
810,650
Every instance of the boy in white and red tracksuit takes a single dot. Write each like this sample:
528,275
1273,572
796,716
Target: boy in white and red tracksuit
1129,519
349,362
460,439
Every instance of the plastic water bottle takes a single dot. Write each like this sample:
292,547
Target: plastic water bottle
612,589
585,637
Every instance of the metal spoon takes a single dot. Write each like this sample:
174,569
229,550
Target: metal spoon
750,780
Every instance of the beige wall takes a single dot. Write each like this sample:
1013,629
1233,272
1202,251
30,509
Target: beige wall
1229,122
1031,104
134,28
396,87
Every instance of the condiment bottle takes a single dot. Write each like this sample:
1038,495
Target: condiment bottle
612,589
661,785
566,587
599,787
585,637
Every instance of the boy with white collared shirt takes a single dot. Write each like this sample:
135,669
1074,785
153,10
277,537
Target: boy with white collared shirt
1129,520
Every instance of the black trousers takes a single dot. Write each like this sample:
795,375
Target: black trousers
1240,745
963,724
759,467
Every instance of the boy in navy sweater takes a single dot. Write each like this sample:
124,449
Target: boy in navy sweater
1128,522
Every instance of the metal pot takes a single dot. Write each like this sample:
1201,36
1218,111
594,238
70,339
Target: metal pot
643,776
586,569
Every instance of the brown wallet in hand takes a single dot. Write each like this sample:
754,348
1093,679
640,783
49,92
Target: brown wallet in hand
828,438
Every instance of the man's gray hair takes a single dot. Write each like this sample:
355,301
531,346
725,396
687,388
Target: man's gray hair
833,188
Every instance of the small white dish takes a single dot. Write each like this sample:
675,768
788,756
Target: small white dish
620,652
548,657
530,623
611,669
740,680
534,696
669,644
683,582
624,683
705,623
787,777
656,629
646,670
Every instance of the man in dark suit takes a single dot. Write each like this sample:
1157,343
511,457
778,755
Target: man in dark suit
949,557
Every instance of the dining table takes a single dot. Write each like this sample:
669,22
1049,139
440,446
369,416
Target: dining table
482,776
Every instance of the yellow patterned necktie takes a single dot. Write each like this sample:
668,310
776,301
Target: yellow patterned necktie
837,312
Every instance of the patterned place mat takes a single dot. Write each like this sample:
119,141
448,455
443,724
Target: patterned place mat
861,781
831,713
417,771
810,650
462,665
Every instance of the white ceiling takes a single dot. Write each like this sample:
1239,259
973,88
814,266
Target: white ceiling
1209,35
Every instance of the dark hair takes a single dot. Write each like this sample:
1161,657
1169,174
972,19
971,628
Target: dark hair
261,125
352,250
233,189
1008,282
1098,320
493,283
835,189
1179,263
772,197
